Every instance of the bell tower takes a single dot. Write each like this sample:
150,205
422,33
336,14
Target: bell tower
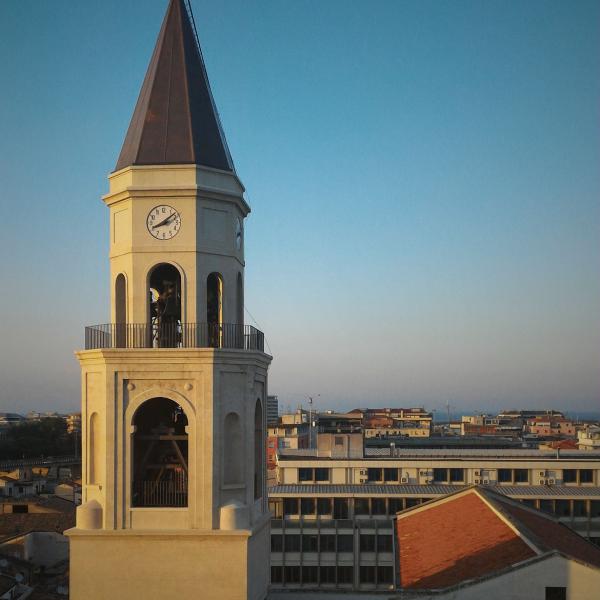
173,388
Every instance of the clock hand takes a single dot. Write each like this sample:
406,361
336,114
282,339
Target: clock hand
164,221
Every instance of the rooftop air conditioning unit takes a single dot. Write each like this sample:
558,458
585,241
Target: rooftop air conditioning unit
477,480
477,473
551,481
486,481
404,480
542,481
429,480
542,473
422,472
363,471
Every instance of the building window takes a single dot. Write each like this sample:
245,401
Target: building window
361,506
345,543
292,543
521,475
345,574
214,308
569,476
504,475
410,502
457,475
305,474
367,543
385,575
310,574
384,543
310,543
395,505
367,574
586,476
276,574
327,574
440,475
327,542
579,508
375,474
390,474
276,542
556,593
340,508
307,506
562,508
547,506
323,506
594,508
338,441
378,506
321,474
292,574
290,506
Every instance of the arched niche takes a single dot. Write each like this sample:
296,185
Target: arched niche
240,300
214,309
160,455
94,451
164,305
121,310
259,445
233,452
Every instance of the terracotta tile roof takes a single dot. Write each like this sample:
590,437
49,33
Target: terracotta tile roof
547,533
454,539
15,524
475,533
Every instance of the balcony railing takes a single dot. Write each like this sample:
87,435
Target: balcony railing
174,335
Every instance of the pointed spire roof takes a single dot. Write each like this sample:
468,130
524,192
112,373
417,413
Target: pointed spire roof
175,120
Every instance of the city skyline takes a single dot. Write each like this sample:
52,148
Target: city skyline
423,180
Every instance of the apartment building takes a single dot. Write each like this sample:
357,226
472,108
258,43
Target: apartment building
339,489
289,432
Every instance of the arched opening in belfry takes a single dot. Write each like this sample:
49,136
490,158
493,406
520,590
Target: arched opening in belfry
160,454
259,444
121,310
233,467
164,299
214,309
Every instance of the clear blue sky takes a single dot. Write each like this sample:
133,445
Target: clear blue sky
424,178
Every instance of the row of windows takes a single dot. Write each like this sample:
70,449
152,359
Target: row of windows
567,508
331,575
339,508
318,474
329,542
457,475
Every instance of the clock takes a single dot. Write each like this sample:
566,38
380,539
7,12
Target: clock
163,222
238,233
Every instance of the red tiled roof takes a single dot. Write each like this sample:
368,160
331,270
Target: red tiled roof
547,533
467,535
453,540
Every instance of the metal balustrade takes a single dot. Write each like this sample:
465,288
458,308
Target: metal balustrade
174,335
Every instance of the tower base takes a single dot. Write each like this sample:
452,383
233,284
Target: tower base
154,565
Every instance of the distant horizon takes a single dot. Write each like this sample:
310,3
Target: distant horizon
423,179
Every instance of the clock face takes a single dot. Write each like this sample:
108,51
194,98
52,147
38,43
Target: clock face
238,233
163,222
